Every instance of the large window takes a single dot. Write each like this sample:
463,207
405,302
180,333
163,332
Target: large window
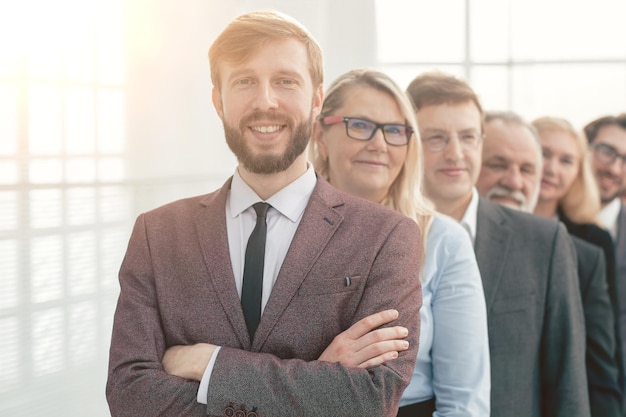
64,207
536,57
105,111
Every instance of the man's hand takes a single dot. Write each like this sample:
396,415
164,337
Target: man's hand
188,362
361,346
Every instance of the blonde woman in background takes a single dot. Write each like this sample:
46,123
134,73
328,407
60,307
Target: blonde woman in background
569,192
365,142
568,188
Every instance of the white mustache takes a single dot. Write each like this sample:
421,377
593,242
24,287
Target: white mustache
498,191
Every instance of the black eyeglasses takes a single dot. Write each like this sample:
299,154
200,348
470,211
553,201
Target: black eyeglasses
362,129
607,154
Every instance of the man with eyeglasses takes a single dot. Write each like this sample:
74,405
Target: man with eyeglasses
527,263
607,139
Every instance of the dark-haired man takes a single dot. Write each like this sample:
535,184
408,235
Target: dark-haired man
607,140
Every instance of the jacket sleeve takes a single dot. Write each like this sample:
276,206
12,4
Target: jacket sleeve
137,384
564,388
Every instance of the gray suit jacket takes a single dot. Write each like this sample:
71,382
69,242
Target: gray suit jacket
177,288
534,312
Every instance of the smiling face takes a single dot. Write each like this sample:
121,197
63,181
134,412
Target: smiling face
450,174
611,177
510,173
267,105
561,164
363,168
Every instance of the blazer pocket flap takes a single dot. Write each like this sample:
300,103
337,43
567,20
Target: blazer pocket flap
335,285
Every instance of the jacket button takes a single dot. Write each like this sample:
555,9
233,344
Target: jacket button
229,412
240,413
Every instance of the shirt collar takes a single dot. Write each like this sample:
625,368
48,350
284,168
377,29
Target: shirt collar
290,201
469,218
608,215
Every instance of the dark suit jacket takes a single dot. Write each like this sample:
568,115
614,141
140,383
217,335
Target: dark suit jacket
177,288
620,276
534,313
602,238
620,248
605,397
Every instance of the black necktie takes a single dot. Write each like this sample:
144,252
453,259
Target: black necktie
253,270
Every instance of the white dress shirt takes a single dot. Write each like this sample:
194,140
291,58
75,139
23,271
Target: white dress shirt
469,218
283,218
609,214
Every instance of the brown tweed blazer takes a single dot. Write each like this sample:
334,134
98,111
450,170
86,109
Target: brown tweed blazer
177,287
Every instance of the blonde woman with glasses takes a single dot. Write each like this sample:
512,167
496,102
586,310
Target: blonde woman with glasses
365,142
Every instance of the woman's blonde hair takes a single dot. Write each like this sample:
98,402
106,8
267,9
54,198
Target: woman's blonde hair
581,203
405,193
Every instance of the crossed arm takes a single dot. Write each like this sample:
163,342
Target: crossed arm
148,319
361,346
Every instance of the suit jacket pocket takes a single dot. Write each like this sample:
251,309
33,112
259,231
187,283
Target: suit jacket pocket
514,303
514,326
334,285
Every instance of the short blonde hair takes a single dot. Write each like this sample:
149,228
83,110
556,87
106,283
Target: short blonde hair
248,32
581,203
405,195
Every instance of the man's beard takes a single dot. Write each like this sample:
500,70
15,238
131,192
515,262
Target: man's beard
605,199
268,164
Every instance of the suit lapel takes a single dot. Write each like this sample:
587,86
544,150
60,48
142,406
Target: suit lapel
319,222
211,228
492,244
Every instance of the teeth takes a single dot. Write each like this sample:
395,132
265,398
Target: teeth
266,129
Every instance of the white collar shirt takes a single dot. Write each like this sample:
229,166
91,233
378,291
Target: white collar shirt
609,214
469,219
283,218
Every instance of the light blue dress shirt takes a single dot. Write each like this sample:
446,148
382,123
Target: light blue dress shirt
453,357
